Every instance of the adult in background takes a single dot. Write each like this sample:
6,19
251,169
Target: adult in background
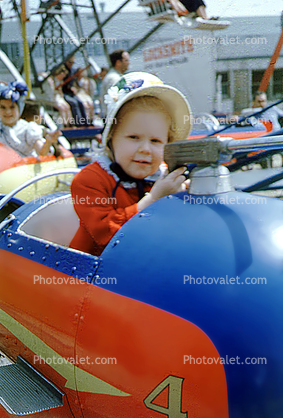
70,90
272,115
120,61
99,78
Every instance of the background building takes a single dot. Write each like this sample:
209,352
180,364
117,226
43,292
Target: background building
228,65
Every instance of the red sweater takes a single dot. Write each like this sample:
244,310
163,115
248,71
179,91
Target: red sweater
101,216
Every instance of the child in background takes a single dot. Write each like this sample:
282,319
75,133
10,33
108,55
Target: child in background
31,114
143,115
58,96
18,133
84,93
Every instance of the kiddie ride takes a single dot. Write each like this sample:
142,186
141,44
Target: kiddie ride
163,11
14,170
181,315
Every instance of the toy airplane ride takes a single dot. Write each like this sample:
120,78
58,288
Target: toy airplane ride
179,317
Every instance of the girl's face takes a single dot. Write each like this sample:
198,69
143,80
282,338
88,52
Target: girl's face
61,75
138,142
9,112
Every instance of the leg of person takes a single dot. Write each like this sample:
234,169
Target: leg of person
74,108
201,12
179,7
66,110
197,6
84,120
77,109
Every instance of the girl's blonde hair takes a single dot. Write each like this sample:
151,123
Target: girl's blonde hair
142,104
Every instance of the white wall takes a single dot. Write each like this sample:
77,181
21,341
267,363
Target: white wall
188,66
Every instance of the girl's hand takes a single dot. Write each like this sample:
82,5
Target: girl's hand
168,184
42,148
52,137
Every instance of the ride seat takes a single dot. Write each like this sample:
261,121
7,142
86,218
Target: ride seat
56,221
163,11
160,10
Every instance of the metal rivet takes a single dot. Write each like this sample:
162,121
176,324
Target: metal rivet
74,268
9,245
20,248
10,234
43,258
32,253
57,263
115,243
47,246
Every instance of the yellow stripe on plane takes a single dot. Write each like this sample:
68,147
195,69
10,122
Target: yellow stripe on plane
86,381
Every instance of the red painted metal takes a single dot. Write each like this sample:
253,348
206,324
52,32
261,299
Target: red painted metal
270,69
86,322
10,158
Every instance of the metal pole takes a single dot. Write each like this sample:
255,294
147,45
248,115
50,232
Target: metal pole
141,41
89,36
25,44
101,33
270,69
79,29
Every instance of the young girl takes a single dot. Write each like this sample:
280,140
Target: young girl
143,115
58,96
26,139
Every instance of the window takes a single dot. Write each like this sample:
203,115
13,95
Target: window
277,88
256,79
225,84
